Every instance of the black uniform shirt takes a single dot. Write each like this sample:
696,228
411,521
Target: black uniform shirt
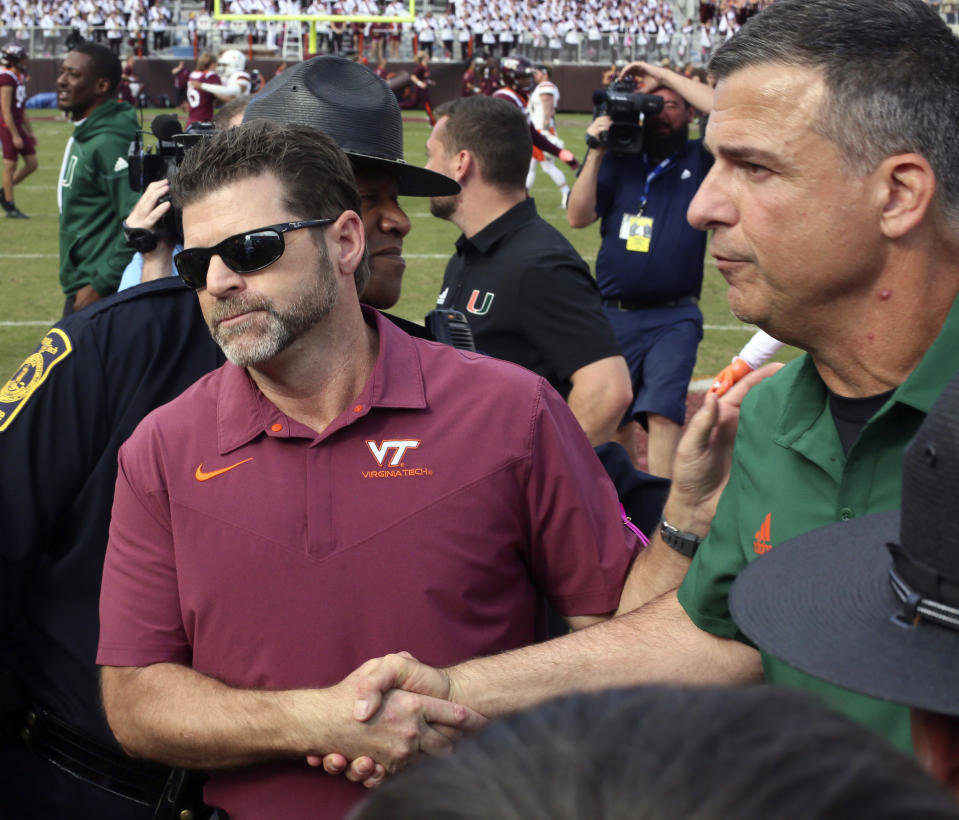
529,297
66,411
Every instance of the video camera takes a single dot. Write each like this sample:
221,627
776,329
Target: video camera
627,108
147,165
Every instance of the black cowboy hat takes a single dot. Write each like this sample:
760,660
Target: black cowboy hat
348,102
872,604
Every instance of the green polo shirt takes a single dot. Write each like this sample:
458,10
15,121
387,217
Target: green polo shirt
789,476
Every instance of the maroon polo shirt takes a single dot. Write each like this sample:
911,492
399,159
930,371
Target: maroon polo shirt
432,515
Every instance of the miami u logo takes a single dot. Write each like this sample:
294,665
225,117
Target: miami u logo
483,309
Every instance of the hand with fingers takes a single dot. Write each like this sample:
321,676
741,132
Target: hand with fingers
378,681
151,206
140,227
643,72
392,694
704,455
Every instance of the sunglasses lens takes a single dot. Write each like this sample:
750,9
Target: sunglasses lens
249,252
243,253
192,265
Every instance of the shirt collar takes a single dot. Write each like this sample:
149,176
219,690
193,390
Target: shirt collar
244,413
935,369
514,218
919,391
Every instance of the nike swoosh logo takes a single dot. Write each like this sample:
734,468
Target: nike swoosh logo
203,476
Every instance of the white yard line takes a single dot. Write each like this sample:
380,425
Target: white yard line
29,256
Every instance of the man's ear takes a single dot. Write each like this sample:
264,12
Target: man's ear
102,87
346,242
464,164
907,187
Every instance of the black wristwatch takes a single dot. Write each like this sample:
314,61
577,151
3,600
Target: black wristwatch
685,543
593,142
140,239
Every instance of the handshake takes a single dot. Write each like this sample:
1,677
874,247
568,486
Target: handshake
400,709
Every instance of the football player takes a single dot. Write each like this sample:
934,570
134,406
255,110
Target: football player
516,75
199,100
234,79
541,109
16,134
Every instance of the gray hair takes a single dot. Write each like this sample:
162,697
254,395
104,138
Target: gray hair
891,71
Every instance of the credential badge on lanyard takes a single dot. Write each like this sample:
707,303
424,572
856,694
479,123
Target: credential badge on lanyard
637,230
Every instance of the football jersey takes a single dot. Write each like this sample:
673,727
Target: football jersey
535,109
8,77
242,80
510,96
199,102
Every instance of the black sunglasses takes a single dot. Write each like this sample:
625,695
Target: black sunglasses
245,252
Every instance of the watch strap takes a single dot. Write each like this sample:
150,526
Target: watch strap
685,543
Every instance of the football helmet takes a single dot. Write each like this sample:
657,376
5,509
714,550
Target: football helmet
12,55
517,73
230,62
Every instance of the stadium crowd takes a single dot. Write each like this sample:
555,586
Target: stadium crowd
555,30
569,30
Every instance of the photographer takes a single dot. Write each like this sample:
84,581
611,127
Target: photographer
155,246
639,176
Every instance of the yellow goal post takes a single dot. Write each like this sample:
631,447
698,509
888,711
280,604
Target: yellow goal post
313,19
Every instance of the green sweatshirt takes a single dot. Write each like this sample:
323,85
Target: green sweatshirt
94,195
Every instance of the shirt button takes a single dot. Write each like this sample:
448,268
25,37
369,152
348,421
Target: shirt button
845,514
358,408
276,428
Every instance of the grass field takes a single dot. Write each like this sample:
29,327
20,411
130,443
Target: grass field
31,300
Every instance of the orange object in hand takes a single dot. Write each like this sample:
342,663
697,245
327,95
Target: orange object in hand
729,375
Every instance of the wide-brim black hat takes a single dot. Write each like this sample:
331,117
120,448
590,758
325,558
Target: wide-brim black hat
348,102
872,604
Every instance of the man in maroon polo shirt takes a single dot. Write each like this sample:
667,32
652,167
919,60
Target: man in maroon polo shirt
338,490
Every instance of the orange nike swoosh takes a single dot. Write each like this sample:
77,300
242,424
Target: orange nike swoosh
202,476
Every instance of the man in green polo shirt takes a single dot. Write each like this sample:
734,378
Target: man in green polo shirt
834,207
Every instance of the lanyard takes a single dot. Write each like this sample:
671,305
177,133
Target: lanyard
658,171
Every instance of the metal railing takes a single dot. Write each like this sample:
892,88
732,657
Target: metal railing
179,41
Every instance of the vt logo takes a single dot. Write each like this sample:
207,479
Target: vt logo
483,309
762,537
381,449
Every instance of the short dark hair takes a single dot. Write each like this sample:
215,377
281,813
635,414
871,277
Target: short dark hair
316,176
496,132
891,71
662,753
106,64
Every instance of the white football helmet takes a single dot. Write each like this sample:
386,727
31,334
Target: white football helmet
230,62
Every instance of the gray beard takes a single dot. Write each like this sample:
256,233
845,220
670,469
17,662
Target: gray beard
261,338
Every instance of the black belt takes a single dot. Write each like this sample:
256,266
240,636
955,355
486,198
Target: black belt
622,304
92,760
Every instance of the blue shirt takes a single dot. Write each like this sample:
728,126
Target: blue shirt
673,266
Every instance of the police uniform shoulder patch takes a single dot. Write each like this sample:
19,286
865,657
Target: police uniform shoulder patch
54,348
